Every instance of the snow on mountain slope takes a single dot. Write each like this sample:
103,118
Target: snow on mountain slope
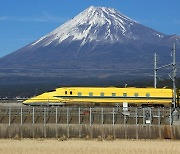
97,38
99,24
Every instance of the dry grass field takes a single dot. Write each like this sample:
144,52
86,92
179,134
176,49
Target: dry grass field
75,146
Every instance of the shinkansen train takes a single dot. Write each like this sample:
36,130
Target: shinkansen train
104,96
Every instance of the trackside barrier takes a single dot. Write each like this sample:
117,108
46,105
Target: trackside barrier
82,121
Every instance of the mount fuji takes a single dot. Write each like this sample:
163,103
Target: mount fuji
99,42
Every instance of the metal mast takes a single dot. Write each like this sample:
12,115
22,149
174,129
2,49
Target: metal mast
174,75
155,70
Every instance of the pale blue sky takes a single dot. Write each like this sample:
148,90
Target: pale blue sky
24,21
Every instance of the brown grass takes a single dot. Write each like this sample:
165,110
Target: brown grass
49,146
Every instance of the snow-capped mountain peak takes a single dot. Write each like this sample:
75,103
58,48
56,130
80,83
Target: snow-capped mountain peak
94,23
99,38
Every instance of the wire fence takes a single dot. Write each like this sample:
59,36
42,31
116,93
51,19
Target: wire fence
86,115
88,122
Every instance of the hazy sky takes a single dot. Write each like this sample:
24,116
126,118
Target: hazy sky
24,21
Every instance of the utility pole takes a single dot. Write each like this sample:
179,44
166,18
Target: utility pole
174,75
155,70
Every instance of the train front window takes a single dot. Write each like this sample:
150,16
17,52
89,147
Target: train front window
52,90
90,94
102,94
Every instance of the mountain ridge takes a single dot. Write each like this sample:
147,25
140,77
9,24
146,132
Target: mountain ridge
85,26
97,38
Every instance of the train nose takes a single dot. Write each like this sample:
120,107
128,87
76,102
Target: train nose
26,102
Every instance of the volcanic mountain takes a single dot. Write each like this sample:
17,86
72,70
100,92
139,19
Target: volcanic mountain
96,43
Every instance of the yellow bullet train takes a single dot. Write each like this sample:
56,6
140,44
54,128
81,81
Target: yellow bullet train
104,96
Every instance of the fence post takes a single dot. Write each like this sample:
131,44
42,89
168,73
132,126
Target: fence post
124,118
136,113
90,118
9,116
67,122
21,116
33,122
33,116
159,117
45,122
159,122
56,116
113,116
102,116
79,115
59,116
44,116
67,116
150,116
56,123
170,117
21,129
143,116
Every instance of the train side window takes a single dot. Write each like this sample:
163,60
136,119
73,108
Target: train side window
102,94
124,94
147,94
70,92
90,94
136,94
65,92
114,94
79,93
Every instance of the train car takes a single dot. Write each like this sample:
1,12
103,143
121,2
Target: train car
104,96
